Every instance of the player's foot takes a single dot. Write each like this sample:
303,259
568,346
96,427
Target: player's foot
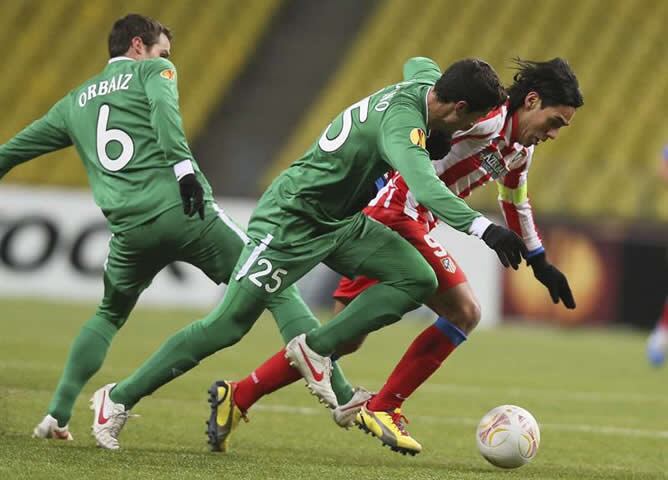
109,418
344,415
657,344
389,428
316,369
48,428
225,415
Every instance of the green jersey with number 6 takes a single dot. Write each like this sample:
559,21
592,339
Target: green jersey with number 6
387,130
126,126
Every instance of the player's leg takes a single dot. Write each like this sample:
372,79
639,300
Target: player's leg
458,313
346,291
223,326
261,272
405,281
215,252
371,249
291,314
276,372
128,271
657,343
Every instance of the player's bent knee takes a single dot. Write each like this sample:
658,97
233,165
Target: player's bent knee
424,282
468,315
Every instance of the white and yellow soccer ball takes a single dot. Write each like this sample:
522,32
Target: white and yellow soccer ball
508,436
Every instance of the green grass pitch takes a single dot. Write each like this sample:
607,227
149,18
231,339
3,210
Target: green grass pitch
603,412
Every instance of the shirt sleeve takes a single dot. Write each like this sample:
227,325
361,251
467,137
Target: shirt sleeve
160,83
421,68
402,144
44,135
517,211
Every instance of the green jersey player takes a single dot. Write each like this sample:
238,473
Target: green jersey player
126,126
311,214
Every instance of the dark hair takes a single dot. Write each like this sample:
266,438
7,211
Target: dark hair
553,80
134,25
473,81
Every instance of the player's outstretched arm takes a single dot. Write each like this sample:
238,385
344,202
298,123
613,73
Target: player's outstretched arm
45,135
514,202
402,143
161,90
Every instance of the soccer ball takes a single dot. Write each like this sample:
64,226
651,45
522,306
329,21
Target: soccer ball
508,436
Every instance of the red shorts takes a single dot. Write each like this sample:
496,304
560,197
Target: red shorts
448,273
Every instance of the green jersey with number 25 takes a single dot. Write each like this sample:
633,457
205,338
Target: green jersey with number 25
126,126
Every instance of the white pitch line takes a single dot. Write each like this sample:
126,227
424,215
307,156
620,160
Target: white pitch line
564,427
623,397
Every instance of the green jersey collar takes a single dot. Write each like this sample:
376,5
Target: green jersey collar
119,59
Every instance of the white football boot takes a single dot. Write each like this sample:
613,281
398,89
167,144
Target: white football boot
109,418
48,428
316,369
344,415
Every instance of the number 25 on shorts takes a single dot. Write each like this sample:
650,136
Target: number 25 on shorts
271,284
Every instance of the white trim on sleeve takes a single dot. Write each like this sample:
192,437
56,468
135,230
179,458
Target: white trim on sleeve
183,168
479,225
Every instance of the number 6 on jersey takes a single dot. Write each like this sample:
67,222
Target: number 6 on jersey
106,136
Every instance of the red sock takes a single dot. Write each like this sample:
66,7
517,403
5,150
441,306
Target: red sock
663,321
422,358
273,374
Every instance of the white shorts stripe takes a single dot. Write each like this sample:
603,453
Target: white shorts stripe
254,256
230,223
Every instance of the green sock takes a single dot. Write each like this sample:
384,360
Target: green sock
85,358
375,308
224,326
342,388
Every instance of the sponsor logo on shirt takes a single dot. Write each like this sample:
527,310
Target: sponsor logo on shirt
418,137
168,73
492,162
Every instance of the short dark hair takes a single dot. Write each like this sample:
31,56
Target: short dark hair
473,81
553,80
134,25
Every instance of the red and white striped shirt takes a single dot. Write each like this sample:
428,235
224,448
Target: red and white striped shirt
487,151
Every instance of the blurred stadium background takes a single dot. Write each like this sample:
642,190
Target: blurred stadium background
260,79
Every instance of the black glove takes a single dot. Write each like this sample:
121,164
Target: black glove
507,244
192,195
553,279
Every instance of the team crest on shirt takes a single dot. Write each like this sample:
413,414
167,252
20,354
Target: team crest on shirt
418,137
449,265
168,73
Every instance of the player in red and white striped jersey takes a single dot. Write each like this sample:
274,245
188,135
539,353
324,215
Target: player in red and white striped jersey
500,147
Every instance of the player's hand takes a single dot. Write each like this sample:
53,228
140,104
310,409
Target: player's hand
507,244
192,195
553,279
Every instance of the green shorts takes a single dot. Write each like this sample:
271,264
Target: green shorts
285,246
135,256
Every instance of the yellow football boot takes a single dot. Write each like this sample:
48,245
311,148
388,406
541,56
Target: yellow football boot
225,415
389,428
